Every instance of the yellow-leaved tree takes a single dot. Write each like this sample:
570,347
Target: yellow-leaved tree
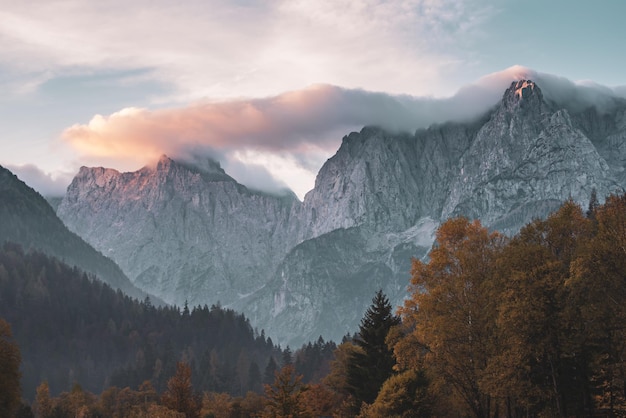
451,313
598,288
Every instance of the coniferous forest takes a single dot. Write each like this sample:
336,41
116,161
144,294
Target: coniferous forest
73,329
532,325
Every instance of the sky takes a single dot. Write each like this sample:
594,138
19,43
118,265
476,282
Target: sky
269,88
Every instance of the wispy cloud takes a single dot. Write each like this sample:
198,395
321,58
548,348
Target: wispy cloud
302,128
224,49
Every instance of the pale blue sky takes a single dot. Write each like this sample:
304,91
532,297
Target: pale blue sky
64,62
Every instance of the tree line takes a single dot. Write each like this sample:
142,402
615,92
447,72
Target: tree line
72,328
532,325
528,326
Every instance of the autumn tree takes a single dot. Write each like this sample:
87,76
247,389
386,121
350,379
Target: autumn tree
43,403
217,405
337,379
75,403
10,390
450,316
368,368
541,366
321,401
404,395
179,395
284,398
598,288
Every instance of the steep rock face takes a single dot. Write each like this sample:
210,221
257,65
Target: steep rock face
525,154
326,283
184,233
519,162
383,181
304,269
607,131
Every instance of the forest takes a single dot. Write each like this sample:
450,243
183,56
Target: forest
532,325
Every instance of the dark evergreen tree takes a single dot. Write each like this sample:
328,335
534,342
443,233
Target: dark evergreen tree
287,357
254,377
593,204
313,360
370,367
64,320
270,371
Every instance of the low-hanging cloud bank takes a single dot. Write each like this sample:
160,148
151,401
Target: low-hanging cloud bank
45,183
303,126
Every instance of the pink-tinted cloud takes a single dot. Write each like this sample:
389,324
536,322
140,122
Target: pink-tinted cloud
304,126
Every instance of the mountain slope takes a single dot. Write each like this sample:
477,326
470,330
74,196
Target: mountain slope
27,219
519,162
184,232
303,269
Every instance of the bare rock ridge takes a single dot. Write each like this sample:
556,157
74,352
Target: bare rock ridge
186,233
304,269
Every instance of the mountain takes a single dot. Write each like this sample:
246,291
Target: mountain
28,220
303,269
185,232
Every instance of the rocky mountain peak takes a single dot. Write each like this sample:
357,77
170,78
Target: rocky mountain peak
524,88
207,167
523,94
164,163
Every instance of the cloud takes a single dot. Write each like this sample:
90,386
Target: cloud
301,128
46,184
221,48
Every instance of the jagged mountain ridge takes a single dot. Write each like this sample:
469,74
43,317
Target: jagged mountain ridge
186,233
28,220
378,199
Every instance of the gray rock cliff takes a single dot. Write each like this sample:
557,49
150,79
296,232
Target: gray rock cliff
185,233
300,270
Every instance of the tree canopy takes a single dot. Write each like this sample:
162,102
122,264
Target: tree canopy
533,325
10,392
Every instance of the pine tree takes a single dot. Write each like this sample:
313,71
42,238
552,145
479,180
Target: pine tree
370,367
593,204
270,371
287,357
